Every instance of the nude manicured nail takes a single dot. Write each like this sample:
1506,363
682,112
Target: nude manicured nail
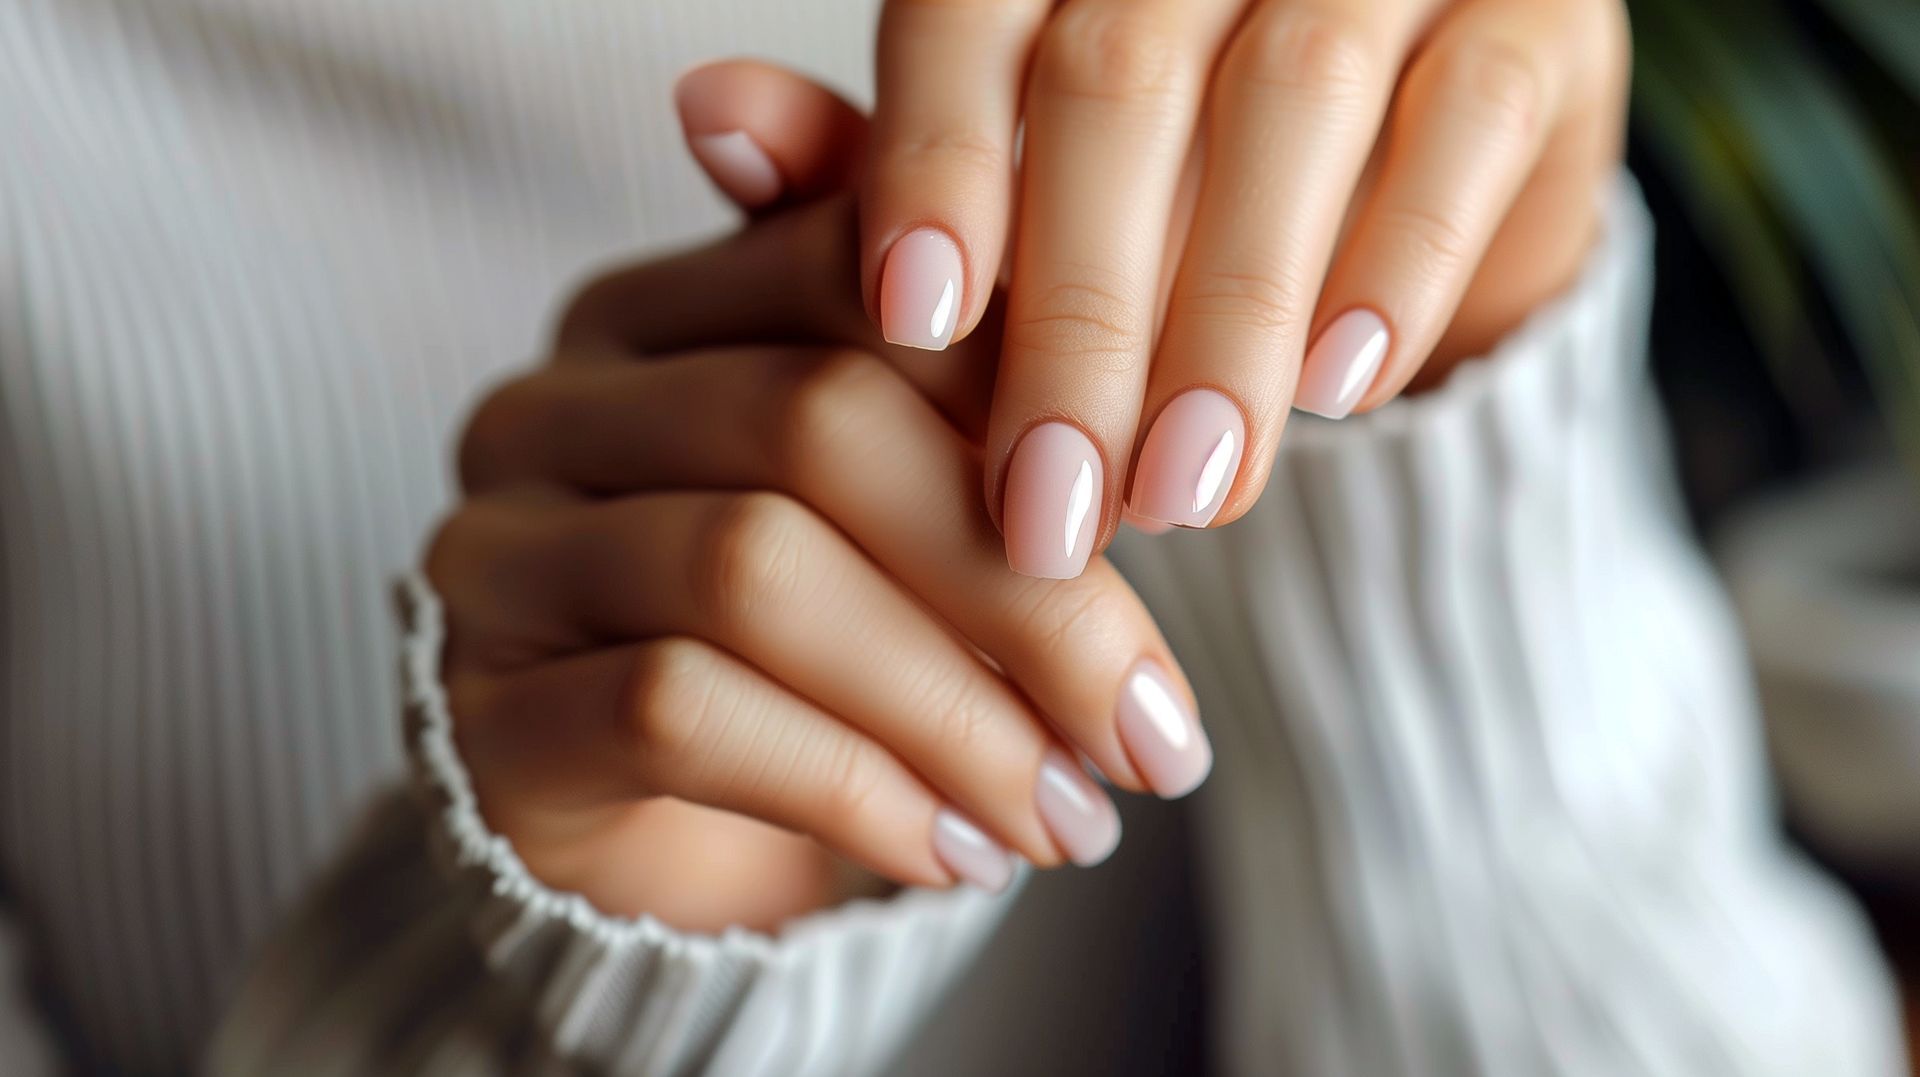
1052,506
738,164
969,853
1161,732
1081,817
921,290
1189,459
1143,525
1340,366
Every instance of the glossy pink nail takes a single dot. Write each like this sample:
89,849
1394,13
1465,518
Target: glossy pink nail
1052,506
921,290
739,165
1161,732
1340,366
1081,817
1189,460
969,853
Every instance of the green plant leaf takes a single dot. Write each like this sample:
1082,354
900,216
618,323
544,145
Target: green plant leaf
1818,163
1735,222
1889,30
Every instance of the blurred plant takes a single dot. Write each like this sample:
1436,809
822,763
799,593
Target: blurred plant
1790,133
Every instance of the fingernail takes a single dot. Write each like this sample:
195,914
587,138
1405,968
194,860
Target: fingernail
1340,366
1080,816
1189,460
1052,505
968,852
920,290
1143,525
1161,732
738,164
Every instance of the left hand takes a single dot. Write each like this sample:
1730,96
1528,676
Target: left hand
1225,208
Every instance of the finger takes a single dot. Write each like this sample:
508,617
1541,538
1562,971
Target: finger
1469,122
939,180
680,718
844,434
788,279
766,135
766,579
1115,92
1296,105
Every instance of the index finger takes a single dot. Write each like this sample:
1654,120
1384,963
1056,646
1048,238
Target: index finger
939,182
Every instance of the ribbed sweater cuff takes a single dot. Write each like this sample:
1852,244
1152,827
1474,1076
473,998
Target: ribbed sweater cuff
1488,796
833,993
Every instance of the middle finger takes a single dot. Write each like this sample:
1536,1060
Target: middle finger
1114,93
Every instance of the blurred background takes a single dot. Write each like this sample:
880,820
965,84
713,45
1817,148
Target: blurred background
1779,145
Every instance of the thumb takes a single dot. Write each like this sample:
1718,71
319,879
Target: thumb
768,136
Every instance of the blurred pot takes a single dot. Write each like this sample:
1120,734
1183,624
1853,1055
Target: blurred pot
1827,583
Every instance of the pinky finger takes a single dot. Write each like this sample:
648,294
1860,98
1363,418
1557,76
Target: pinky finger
766,135
1469,123
679,718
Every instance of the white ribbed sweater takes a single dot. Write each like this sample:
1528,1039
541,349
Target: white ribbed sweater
1488,798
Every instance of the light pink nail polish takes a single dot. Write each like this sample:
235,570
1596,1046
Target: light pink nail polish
969,853
1052,505
1077,812
921,290
1161,732
1189,460
738,164
1340,366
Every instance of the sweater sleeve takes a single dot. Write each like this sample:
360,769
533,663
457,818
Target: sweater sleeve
1489,795
430,948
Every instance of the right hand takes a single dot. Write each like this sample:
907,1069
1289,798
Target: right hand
754,578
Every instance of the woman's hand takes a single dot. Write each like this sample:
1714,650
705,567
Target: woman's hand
1225,207
755,578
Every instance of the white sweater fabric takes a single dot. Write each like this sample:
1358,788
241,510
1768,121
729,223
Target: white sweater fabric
1489,797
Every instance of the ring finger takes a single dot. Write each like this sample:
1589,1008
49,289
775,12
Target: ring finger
1296,107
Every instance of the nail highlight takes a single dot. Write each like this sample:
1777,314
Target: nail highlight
921,290
1052,506
1340,366
969,853
1161,732
738,164
1081,817
1189,460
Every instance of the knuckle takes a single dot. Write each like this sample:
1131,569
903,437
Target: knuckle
671,700
962,716
497,431
821,405
1266,299
1431,243
1080,321
466,549
751,561
853,785
586,309
1495,83
1057,625
1107,52
447,549
1311,52
950,150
